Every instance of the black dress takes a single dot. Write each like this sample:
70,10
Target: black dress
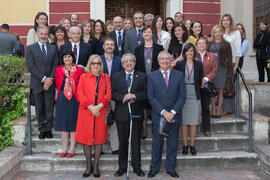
66,112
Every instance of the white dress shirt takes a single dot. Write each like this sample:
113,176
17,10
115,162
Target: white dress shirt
234,39
78,50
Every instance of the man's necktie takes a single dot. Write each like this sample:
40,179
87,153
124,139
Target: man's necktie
44,51
139,36
75,50
128,80
119,43
166,78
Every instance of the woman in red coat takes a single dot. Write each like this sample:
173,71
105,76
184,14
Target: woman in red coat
94,94
66,79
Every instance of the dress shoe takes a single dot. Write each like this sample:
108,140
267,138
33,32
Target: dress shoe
85,174
48,134
63,154
41,135
193,150
173,174
152,173
120,172
207,134
97,174
213,116
139,172
115,152
185,150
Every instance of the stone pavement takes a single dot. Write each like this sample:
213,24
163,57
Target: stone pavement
184,175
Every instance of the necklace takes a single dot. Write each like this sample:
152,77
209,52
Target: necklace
148,59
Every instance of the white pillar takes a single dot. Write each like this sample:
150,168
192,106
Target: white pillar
174,6
97,9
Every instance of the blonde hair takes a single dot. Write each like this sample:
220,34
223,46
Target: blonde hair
232,24
84,24
244,30
131,22
62,21
213,30
90,60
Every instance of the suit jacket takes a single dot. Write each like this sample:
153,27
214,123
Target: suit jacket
114,37
198,74
85,51
131,41
116,64
160,97
140,60
8,42
38,66
120,89
209,65
93,43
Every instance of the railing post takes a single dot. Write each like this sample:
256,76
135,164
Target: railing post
29,140
237,89
250,123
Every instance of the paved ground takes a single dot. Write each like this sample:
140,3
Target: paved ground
184,175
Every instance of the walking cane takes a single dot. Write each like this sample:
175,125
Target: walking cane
129,139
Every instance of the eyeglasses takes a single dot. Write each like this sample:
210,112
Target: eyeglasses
96,63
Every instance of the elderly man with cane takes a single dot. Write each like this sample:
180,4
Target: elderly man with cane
129,92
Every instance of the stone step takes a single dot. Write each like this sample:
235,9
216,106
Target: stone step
227,124
51,162
217,142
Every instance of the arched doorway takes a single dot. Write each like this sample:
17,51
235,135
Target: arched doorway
126,8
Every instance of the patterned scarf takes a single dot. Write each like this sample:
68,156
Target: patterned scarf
69,87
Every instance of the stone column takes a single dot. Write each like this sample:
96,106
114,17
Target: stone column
174,6
97,9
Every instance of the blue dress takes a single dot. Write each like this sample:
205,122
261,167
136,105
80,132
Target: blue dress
66,112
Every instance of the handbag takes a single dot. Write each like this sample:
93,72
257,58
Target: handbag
229,90
211,90
109,116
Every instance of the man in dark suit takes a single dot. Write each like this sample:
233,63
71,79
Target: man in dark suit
166,93
118,35
134,36
129,86
81,50
111,64
8,42
42,60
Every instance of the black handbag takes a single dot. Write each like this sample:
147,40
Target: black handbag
229,90
211,90
109,116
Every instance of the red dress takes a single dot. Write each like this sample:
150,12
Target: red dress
90,129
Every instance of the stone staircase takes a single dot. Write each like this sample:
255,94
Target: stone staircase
227,148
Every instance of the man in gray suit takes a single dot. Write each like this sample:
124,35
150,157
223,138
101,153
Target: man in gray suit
8,42
134,36
41,60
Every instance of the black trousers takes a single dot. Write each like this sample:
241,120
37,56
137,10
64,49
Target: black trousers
205,102
44,107
123,135
261,65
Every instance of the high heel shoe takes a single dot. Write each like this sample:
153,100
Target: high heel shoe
185,150
97,174
85,174
193,150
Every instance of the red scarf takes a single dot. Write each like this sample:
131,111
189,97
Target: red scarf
69,87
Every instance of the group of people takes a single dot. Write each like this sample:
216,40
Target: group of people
161,68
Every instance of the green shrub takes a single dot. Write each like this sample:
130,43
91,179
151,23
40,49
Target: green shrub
11,96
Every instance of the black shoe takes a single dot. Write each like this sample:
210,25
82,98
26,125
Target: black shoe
115,152
185,150
48,134
152,173
41,135
97,174
139,172
85,174
173,174
193,150
120,172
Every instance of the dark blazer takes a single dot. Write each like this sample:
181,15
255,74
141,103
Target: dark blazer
38,66
198,74
262,44
114,37
131,41
140,60
84,53
119,90
160,97
94,44
116,64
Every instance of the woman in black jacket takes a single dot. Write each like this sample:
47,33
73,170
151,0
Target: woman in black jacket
262,46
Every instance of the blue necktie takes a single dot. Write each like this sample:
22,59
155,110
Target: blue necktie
119,43
128,80
140,35
44,51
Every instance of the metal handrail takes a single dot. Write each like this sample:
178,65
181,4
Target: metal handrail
237,111
29,138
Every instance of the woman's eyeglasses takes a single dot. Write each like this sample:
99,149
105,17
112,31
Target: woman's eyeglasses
96,63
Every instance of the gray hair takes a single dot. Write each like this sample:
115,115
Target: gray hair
149,15
130,55
42,27
164,52
72,27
